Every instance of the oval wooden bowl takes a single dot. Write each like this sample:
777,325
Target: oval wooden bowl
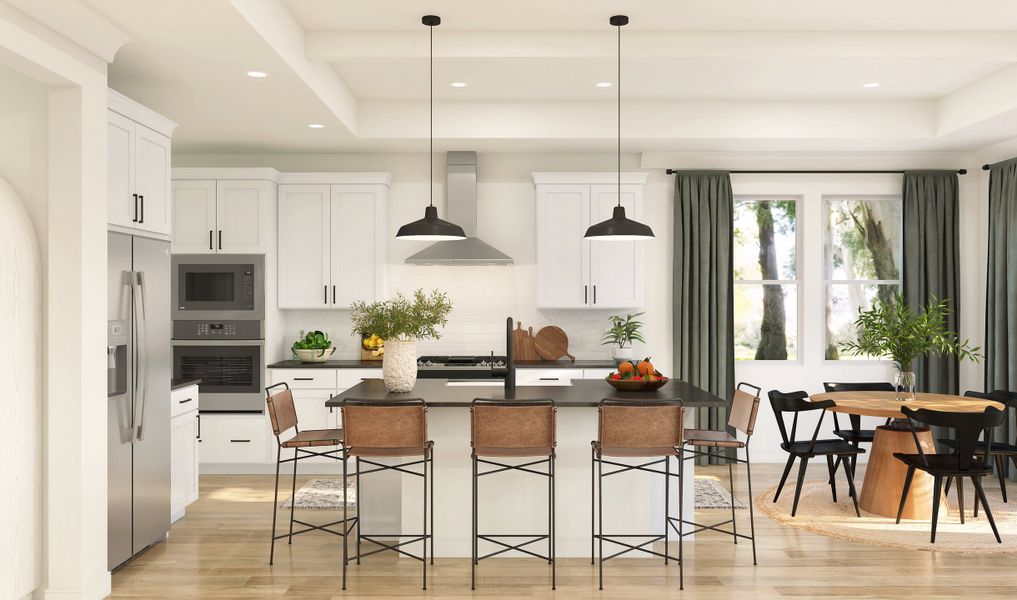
628,385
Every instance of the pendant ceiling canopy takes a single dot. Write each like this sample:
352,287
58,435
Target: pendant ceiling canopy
431,228
619,228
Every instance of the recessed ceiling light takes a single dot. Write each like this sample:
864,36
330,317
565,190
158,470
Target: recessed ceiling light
871,84
458,84
604,84
257,74
316,126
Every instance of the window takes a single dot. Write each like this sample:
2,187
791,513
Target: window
862,250
766,287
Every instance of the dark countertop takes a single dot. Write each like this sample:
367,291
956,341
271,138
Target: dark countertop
606,363
176,384
582,393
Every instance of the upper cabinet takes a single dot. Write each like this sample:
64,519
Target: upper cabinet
576,273
333,239
138,168
222,211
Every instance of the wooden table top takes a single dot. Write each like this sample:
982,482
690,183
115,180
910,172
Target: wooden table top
883,404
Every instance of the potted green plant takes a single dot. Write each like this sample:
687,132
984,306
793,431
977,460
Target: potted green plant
312,347
401,321
891,329
621,334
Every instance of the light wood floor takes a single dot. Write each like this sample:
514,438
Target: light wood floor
220,551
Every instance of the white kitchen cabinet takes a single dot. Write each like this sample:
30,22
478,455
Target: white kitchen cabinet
576,273
332,243
185,430
547,376
597,373
138,167
220,216
230,438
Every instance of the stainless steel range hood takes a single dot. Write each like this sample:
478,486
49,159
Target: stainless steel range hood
461,209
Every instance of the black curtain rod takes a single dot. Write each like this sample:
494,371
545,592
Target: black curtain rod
986,167
959,172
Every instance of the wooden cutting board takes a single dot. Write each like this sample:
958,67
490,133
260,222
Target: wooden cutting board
552,343
523,341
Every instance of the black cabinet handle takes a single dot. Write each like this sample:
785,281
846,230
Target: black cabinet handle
240,441
333,294
549,379
199,427
326,293
586,294
210,240
220,239
594,294
135,219
142,198
303,379
185,401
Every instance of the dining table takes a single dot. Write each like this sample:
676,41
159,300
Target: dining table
884,474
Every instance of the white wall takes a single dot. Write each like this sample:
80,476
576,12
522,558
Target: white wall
23,165
483,296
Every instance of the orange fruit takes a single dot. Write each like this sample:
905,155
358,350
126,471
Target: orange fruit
646,367
626,367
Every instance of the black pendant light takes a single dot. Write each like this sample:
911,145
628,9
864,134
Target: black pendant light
619,227
431,228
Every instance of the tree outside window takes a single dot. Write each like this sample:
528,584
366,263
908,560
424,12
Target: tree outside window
766,278
862,251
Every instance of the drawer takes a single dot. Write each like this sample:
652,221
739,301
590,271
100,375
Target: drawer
183,400
348,378
232,438
306,379
547,376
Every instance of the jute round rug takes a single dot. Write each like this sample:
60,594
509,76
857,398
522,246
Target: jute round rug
817,513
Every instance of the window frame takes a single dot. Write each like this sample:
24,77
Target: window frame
825,199
799,201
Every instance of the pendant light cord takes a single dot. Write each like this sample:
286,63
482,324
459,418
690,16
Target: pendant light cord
619,115
430,148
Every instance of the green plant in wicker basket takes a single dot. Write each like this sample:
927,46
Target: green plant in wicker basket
402,318
895,331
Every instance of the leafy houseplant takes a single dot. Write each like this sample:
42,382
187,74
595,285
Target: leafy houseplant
401,321
891,329
314,346
621,334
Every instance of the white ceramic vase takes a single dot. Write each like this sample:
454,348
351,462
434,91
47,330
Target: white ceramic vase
621,353
399,365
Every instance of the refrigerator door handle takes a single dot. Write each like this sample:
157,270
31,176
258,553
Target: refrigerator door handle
141,380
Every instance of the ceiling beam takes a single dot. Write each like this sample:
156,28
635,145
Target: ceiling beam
274,22
332,46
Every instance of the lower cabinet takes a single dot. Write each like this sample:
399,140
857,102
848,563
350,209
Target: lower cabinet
185,428
231,438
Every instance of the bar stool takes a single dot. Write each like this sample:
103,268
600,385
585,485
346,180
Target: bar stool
284,417
513,429
744,408
638,429
389,429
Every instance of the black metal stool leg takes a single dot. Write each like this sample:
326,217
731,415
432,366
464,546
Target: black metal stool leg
293,496
424,539
345,537
600,520
730,479
275,503
593,503
358,507
667,506
681,517
432,507
473,539
554,523
752,501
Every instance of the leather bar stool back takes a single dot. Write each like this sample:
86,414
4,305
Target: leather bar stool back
639,429
392,428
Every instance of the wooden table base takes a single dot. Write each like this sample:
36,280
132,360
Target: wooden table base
884,476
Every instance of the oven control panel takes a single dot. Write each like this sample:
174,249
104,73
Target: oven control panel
218,330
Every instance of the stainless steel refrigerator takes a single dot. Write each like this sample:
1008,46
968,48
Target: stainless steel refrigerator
139,364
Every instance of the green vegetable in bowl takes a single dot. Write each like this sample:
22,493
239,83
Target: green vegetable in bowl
314,340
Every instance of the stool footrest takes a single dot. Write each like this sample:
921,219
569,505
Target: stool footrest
517,547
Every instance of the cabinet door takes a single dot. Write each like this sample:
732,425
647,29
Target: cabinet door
562,254
183,462
241,216
152,179
304,246
194,217
616,269
120,203
355,260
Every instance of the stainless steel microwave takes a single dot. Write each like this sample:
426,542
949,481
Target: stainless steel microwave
210,286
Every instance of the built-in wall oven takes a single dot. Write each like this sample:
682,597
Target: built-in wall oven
218,286
229,358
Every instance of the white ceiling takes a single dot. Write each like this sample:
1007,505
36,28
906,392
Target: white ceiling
765,75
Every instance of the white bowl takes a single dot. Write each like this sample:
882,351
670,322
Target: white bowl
315,355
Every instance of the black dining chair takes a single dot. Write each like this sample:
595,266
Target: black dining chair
855,435
999,450
962,463
797,403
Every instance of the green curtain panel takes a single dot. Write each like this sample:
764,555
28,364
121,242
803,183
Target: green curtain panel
931,251
1001,287
703,287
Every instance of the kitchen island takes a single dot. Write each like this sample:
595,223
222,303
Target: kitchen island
515,502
